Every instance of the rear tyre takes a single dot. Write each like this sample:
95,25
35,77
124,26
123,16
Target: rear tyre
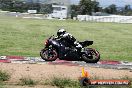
91,55
49,54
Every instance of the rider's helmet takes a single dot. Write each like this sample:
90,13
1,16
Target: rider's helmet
61,31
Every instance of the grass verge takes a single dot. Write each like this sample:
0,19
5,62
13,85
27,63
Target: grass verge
27,81
4,76
62,82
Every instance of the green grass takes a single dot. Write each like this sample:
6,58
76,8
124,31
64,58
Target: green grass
25,37
27,81
4,76
63,82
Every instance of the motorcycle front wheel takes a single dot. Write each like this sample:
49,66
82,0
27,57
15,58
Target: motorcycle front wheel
49,54
91,56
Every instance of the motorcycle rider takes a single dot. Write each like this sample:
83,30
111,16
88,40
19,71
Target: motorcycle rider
62,34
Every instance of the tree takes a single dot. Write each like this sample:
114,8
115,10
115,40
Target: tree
46,8
12,5
95,6
18,5
75,10
111,9
88,6
127,8
6,4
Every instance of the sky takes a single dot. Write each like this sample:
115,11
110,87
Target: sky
104,3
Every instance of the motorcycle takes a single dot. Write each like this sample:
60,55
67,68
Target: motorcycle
55,48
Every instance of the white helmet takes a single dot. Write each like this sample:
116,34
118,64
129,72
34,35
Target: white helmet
60,31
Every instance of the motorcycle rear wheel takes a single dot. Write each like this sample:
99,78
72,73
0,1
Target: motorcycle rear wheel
91,56
49,55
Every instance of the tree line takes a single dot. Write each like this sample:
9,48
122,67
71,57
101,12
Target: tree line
85,7
23,6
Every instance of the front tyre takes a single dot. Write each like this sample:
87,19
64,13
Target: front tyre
49,54
91,56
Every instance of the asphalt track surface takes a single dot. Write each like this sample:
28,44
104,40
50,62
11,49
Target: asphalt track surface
37,60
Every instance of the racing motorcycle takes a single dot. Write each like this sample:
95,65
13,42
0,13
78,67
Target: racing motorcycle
55,48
